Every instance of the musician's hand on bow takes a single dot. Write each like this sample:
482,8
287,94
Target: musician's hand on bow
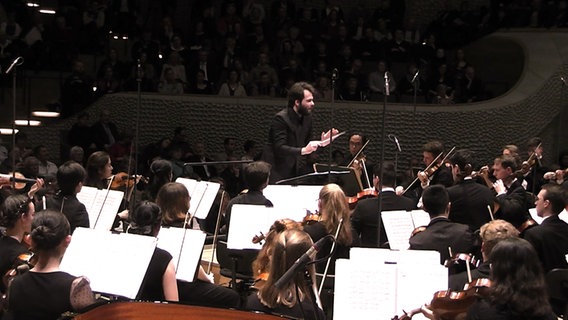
35,187
499,187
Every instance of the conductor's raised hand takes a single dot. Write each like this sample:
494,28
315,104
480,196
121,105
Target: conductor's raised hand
325,135
310,147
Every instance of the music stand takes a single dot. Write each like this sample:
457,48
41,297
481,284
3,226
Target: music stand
347,180
312,178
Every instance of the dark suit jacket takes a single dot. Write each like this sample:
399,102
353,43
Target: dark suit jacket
99,135
287,136
550,239
200,170
440,234
469,203
513,206
365,218
443,176
72,208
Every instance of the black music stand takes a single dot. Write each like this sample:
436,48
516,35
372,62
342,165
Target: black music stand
347,180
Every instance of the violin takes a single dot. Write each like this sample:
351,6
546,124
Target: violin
311,218
367,193
258,238
123,180
460,260
15,180
526,166
450,305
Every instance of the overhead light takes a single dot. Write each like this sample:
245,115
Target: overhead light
45,114
32,4
29,123
47,11
7,131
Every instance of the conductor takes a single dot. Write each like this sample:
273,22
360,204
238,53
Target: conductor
290,134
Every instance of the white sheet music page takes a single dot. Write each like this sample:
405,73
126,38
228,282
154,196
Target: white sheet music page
420,218
399,227
249,220
190,184
304,197
186,252
207,198
364,290
110,203
87,197
114,263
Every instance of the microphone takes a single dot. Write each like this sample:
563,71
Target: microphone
334,74
18,61
387,91
415,76
392,137
561,78
300,263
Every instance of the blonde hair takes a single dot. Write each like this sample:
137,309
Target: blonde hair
333,207
494,231
287,248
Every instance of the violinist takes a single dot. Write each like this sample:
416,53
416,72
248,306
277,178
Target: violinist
534,175
99,170
510,194
441,233
161,172
490,233
294,298
439,173
365,219
354,157
16,216
518,289
256,175
45,292
174,200
70,178
333,208
469,199
550,238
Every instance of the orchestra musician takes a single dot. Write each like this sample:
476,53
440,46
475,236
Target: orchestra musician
441,233
99,170
294,298
161,172
290,134
510,194
174,199
365,219
534,177
490,233
70,178
334,212
442,175
518,289
354,157
45,292
470,200
159,282
550,238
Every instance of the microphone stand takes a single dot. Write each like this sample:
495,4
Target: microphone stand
333,80
14,69
383,122
310,288
137,127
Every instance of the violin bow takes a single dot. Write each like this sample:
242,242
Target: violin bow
216,233
358,153
428,167
329,258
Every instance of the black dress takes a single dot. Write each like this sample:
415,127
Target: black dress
152,288
10,249
303,310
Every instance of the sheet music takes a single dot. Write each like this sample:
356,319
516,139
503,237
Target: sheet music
420,218
114,263
398,226
186,258
202,193
94,199
249,220
305,197
361,293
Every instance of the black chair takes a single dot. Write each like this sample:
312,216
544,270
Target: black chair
236,265
557,283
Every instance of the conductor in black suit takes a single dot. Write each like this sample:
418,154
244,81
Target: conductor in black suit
366,218
470,200
441,234
290,134
550,238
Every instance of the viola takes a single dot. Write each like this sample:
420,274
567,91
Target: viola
15,180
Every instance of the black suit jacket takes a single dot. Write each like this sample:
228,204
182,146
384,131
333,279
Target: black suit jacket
442,176
513,206
100,137
366,218
440,234
200,170
469,203
288,134
550,239
72,208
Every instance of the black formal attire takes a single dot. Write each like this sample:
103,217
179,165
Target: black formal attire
442,176
10,249
484,310
80,135
35,295
440,234
366,218
459,280
71,207
104,134
513,205
469,203
550,239
152,286
203,293
251,197
288,134
253,304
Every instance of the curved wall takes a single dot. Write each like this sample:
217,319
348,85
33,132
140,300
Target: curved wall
531,108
